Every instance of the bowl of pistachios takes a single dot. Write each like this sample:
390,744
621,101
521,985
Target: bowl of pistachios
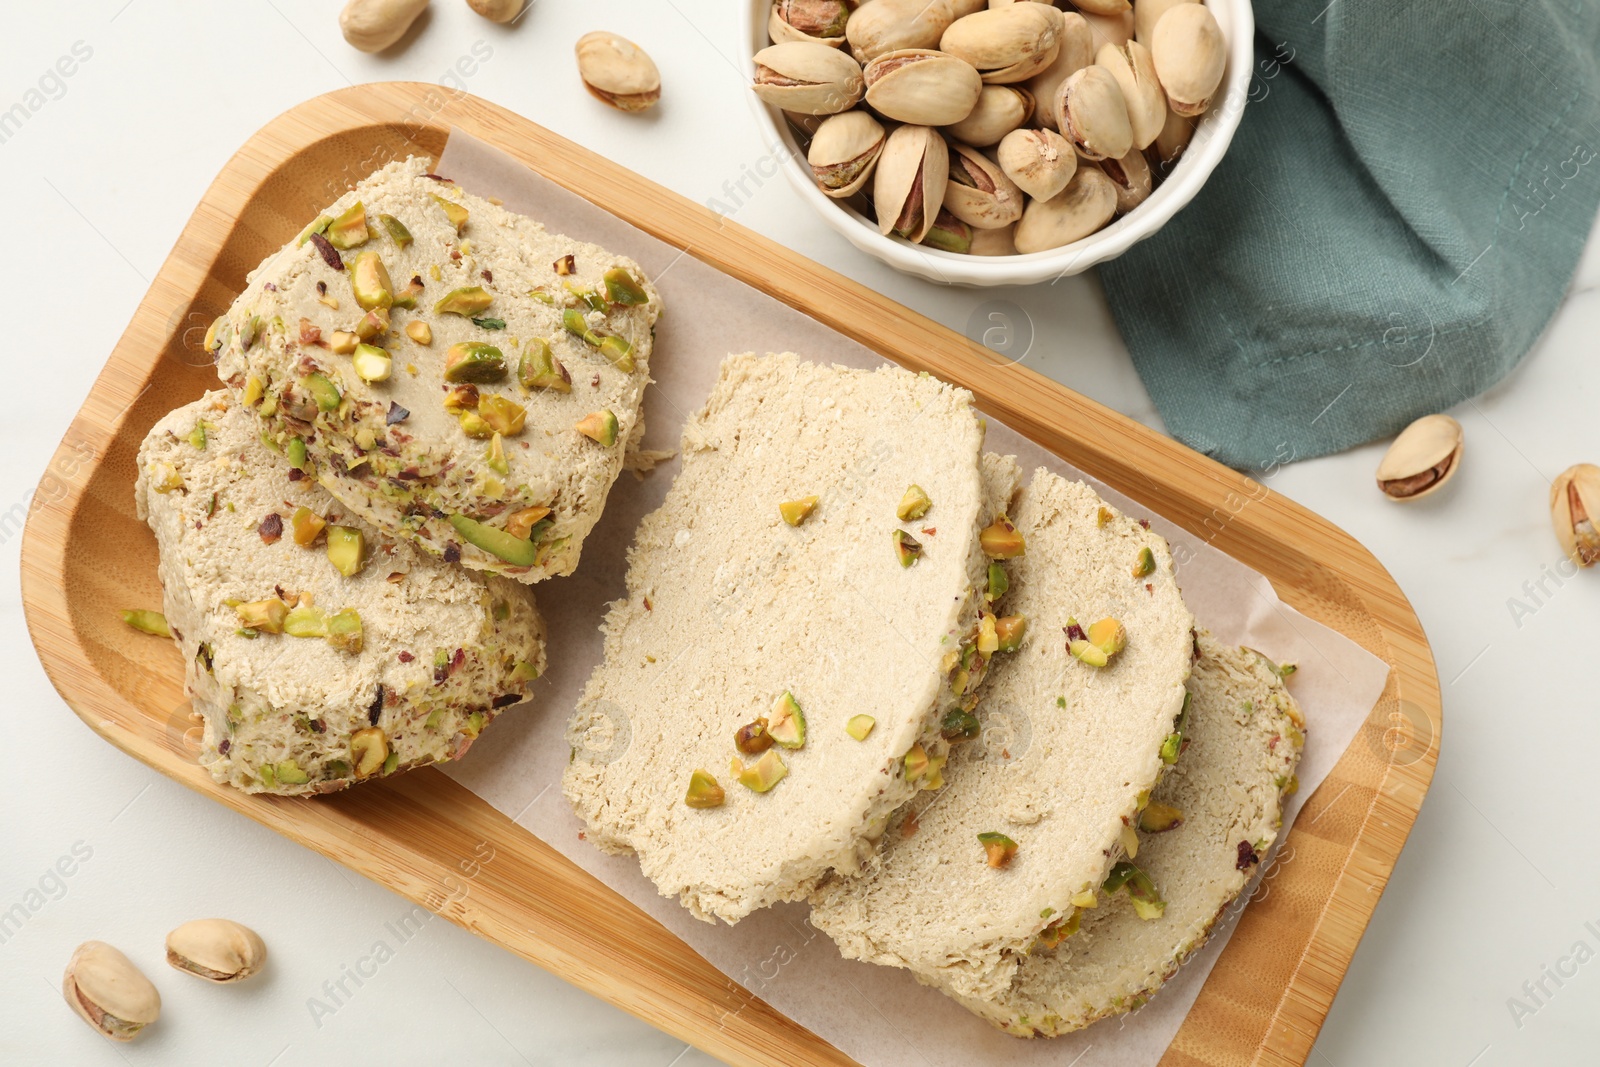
998,142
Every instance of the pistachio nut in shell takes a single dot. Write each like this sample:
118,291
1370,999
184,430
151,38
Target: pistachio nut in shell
999,242
373,25
1146,100
821,21
109,992
617,72
949,233
922,87
890,25
1092,115
844,151
1087,203
1575,512
218,950
1146,13
1132,176
1041,162
1170,143
810,78
978,192
1076,52
1422,458
1190,56
1113,28
909,185
1006,44
808,125
999,110
1103,7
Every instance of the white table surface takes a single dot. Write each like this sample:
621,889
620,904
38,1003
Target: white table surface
1496,885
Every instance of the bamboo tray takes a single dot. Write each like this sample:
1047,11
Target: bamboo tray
419,833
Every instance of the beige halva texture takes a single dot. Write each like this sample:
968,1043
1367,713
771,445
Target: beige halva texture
1083,746
491,470
435,653
728,607
1243,738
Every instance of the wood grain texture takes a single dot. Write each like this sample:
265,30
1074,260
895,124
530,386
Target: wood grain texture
423,836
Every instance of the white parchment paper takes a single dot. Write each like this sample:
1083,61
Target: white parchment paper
879,1016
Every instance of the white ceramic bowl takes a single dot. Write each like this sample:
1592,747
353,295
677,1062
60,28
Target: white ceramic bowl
1211,139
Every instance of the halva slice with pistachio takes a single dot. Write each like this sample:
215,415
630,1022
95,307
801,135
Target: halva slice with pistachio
720,738
437,362
319,651
1067,740
1202,837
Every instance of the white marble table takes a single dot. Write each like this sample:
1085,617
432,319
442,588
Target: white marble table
1489,904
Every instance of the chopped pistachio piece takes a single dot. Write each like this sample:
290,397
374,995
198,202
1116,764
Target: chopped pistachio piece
348,230
999,583
753,738
498,543
540,369
1145,565
988,636
496,456
319,224
347,549
786,722
1010,629
147,622
344,630
306,621
998,849
454,212
1158,818
369,749
794,512
1130,841
1102,516
504,415
323,391
197,436
521,523
1109,636
524,672
577,325
295,453
467,301
419,332
254,390
959,725
1088,652
621,288
1147,903
1172,747
371,363
764,773
473,425
914,504
342,343
263,616
704,792
618,350
600,427
1289,786
473,361
369,279
915,763
1088,898
860,726
906,548
1002,540
397,231
374,323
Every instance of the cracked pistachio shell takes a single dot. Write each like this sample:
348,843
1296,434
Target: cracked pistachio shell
1422,458
810,78
999,110
1190,56
1041,162
1087,203
922,87
1000,242
910,181
891,25
1146,13
1132,176
1113,28
1575,512
819,21
218,950
949,234
1006,44
1091,113
1075,53
844,152
978,192
1135,71
109,992
617,72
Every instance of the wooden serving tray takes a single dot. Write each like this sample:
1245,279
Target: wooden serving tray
420,834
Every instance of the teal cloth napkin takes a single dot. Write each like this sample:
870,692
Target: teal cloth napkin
1394,224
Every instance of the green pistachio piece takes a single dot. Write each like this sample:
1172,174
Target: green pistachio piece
496,456
197,436
577,325
344,631
959,725
474,361
764,773
860,726
523,673
600,427
704,792
1145,565
347,550
498,543
263,616
622,289
147,622
906,548
539,368
397,231
289,773
1010,629
371,363
469,301
786,723
453,212
794,512
1001,540
998,849
618,351
350,229
296,453
323,391
504,415
369,279
306,621
317,225
1158,818
999,583
1147,903
913,505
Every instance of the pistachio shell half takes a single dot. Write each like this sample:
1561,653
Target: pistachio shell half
1076,52
1041,162
999,242
1006,44
1422,458
109,992
1087,203
1092,115
820,21
218,950
617,72
1190,56
844,152
979,193
890,25
807,77
1132,177
1146,13
910,181
999,110
922,87
1574,511
1109,28
1135,71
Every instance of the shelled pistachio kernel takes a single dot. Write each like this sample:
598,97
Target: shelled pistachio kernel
371,363
454,213
599,427
347,547
786,723
860,726
342,343
263,616
147,622
907,549
1087,898
369,751
998,583
345,631
1109,635
540,369
1145,564
218,950
794,512
108,992
915,763
998,849
703,791
467,301
1001,540
475,362
959,724
753,738
420,332
764,773
307,526
504,416
1129,840
1010,630
913,505
305,620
